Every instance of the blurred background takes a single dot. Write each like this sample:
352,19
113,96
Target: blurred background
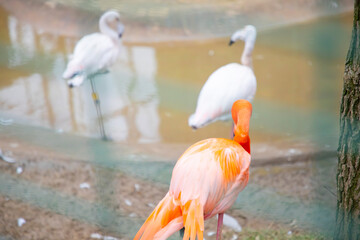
65,183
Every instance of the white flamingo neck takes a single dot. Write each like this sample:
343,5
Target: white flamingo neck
246,58
105,29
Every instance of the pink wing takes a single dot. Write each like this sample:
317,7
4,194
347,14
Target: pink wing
213,171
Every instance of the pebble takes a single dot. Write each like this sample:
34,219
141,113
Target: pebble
84,185
132,215
110,238
232,223
21,222
294,151
14,145
96,236
128,202
151,205
19,170
6,158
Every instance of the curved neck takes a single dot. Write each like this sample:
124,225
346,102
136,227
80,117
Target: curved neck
246,58
243,141
241,114
246,145
105,29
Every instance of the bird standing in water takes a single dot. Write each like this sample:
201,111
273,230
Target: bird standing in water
227,84
94,54
206,181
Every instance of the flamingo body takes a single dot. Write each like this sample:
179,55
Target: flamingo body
92,54
227,84
224,86
206,181
96,52
214,171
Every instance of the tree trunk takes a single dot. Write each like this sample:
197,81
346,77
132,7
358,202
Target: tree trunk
348,175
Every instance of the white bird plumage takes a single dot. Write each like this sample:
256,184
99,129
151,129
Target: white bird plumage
227,84
96,52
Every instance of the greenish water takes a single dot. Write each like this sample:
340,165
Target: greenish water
298,68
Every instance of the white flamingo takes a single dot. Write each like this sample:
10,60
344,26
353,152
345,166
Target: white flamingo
94,54
227,84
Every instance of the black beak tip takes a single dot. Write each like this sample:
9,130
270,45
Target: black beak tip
231,42
194,127
71,85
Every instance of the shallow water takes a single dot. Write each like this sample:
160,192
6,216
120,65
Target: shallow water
152,89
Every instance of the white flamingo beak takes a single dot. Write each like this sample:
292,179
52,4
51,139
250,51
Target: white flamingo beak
75,81
239,35
120,30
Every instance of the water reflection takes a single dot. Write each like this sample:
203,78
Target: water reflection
22,41
128,93
144,94
24,96
153,88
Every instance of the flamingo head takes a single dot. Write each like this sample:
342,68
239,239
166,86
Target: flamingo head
120,29
112,19
241,113
245,34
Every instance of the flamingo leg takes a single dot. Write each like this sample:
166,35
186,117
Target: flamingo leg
98,109
232,131
182,231
219,226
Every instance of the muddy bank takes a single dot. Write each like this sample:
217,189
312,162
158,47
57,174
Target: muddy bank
130,197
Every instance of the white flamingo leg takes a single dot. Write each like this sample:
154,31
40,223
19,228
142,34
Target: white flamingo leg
219,226
98,109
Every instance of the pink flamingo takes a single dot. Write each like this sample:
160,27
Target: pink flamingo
206,181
